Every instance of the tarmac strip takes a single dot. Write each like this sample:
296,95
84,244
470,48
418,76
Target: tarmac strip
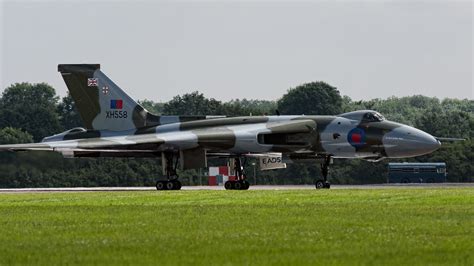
254,187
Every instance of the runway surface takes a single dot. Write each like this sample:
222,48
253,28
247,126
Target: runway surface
257,187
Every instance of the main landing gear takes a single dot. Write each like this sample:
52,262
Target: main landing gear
241,183
170,164
324,172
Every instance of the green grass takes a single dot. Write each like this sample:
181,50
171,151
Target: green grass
373,226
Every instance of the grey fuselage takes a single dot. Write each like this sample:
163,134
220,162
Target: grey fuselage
359,134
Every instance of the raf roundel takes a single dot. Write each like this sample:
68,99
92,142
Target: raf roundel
356,137
105,90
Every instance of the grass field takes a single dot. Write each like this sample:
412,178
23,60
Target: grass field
354,226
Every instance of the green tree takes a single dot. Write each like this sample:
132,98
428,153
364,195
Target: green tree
10,135
441,123
315,98
192,104
153,107
68,115
31,107
248,107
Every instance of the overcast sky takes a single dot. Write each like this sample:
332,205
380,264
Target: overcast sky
257,50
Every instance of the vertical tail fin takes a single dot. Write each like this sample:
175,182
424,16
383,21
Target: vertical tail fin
100,102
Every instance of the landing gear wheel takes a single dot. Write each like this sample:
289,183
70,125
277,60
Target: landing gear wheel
177,185
238,185
324,172
241,183
228,185
170,185
246,185
327,185
160,185
320,184
170,163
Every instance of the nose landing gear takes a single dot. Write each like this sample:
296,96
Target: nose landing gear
241,183
170,164
324,172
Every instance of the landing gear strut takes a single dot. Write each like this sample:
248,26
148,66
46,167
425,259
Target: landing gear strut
324,172
170,164
241,183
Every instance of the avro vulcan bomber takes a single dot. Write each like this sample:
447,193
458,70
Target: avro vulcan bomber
117,126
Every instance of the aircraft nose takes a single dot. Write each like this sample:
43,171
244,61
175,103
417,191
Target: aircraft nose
407,141
425,143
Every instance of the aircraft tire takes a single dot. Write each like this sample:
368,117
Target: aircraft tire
238,185
327,185
228,185
177,185
169,185
319,184
160,185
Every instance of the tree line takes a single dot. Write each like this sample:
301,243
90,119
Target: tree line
30,112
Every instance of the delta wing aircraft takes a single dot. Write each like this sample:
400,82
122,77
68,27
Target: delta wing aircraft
117,126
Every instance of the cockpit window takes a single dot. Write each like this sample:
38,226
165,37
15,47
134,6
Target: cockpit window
379,116
364,115
77,129
373,117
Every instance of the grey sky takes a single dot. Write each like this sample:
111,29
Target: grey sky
227,50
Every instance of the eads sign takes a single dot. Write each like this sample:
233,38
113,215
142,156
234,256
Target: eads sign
271,162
